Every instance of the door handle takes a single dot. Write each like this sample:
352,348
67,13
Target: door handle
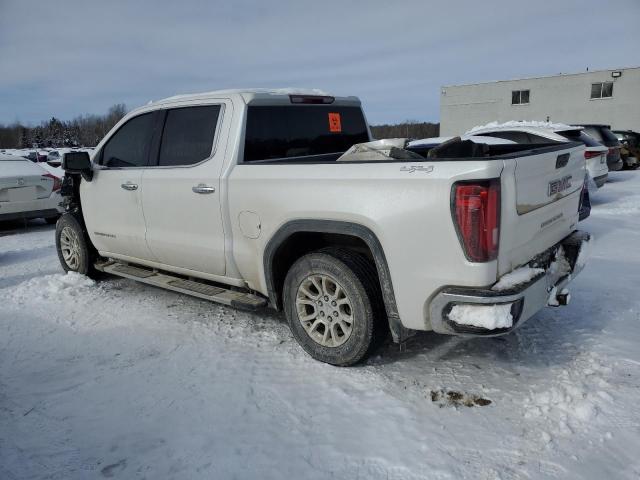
202,188
129,186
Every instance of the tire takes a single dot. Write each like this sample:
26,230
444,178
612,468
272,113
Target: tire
75,252
330,281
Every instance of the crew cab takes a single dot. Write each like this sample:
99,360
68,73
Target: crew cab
279,198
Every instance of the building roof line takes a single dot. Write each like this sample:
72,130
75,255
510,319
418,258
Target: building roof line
541,76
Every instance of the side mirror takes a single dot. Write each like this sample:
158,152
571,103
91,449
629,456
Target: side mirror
78,163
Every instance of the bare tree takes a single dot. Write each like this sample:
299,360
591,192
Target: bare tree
84,130
406,129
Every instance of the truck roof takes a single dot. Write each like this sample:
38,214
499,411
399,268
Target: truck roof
256,95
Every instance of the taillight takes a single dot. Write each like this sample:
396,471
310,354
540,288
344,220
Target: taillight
476,212
584,207
57,183
588,155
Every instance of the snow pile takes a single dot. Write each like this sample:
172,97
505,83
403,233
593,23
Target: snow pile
523,124
483,316
569,403
51,286
516,277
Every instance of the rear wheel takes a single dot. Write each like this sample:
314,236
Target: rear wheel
333,305
74,251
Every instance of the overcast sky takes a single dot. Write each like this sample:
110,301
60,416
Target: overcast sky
65,58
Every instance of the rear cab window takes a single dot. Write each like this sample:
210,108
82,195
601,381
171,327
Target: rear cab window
302,132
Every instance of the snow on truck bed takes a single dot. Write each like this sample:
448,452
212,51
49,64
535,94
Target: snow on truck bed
117,379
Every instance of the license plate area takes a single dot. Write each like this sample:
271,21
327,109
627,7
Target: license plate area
22,194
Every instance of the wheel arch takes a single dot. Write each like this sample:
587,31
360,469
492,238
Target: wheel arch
299,237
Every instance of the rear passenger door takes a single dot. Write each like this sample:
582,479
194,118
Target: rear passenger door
181,189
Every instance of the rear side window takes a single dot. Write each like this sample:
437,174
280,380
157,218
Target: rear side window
129,146
188,135
288,132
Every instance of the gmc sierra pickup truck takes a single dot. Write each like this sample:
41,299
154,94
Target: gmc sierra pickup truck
261,198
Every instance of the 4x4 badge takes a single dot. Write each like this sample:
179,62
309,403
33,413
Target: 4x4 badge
417,168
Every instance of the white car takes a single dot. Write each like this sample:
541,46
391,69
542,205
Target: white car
279,198
28,191
544,132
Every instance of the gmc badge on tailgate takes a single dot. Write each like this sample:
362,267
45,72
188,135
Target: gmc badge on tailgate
560,185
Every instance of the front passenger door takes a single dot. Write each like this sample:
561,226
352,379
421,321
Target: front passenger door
111,201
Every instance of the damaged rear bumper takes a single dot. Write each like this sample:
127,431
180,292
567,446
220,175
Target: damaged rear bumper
525,300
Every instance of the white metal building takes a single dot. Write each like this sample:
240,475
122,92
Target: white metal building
605,96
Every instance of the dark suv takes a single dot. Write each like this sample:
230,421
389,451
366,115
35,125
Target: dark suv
604,135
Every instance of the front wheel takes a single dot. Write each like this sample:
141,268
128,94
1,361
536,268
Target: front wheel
333,305
74,251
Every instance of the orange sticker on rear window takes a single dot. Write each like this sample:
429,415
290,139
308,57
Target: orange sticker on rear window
335,126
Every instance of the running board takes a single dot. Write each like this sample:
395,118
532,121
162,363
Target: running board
241,300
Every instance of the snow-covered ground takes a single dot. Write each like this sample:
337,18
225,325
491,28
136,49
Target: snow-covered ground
117,379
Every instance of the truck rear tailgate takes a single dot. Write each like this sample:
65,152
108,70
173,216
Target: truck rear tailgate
541,196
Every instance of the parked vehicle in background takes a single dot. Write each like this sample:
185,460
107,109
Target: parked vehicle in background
630,151
36,156
595,153
33,156
261,197
54,158
604,135
28,191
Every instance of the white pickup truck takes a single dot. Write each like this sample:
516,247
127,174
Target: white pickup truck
246,198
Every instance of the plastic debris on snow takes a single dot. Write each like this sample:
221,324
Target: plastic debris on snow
483,316
516,277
